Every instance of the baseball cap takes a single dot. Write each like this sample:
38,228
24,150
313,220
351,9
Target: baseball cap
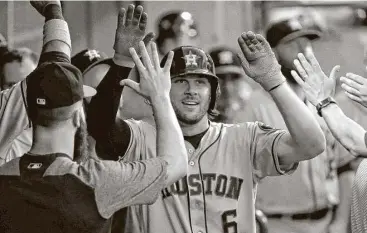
226,61
292,28
53,89
88,58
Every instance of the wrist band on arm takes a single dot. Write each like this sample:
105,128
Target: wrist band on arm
56,29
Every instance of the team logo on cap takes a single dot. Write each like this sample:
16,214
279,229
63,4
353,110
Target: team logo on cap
191,60
33,166
93,54
41,101
225,57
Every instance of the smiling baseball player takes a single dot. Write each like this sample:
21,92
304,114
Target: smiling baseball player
225,160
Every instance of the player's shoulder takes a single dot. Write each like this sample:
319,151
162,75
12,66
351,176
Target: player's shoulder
10,168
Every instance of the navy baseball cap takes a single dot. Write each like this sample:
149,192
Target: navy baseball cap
290,29
53,89
88,58
226,61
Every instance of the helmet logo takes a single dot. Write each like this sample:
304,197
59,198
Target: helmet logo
92,54
190,60
225,57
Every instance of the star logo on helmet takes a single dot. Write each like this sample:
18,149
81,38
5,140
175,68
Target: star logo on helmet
191,60
93,54
225,57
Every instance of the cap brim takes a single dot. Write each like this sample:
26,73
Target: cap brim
107,61
229,70
311,34
89,91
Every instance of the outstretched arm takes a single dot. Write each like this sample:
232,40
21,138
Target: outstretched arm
305,138
113,135
56,36
318,87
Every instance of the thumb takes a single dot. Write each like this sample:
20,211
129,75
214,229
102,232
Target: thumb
132,84
148,37
333,71
245,65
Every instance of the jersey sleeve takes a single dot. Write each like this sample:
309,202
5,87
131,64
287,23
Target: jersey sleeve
264,141
13,115
122,184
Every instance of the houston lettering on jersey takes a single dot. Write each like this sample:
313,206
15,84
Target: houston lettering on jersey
214,184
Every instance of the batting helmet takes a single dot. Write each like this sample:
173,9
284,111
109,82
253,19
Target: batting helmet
88,58
292,28
192,60
174,24
226,61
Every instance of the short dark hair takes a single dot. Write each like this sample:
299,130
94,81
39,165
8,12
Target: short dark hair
18,55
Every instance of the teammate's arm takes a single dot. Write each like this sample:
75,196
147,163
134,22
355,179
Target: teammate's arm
305,138
318,87
56,37
112,134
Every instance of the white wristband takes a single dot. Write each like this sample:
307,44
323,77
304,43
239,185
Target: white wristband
56,29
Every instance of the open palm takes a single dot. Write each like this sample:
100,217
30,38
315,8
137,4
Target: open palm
316,85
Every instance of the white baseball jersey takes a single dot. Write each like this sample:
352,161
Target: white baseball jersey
218,193
15,131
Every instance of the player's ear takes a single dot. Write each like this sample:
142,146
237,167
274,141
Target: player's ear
78,117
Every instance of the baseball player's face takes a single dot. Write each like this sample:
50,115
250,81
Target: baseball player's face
190,97
287,51
16,71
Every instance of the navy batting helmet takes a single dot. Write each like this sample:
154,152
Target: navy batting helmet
193,60
292,28
88,58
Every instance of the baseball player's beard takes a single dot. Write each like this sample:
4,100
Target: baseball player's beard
191,118
81,145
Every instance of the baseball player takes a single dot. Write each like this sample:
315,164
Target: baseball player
86,194
320,89
225,161
235,88
306,200
174,29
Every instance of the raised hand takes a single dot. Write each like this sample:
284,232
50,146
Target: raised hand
260,62
41,5
154,80
316,85
355,87
131,27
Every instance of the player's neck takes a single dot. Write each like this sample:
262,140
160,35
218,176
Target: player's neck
194,129
50,142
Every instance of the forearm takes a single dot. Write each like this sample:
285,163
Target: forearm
106,101
59,34
303,128
350,134
170,141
